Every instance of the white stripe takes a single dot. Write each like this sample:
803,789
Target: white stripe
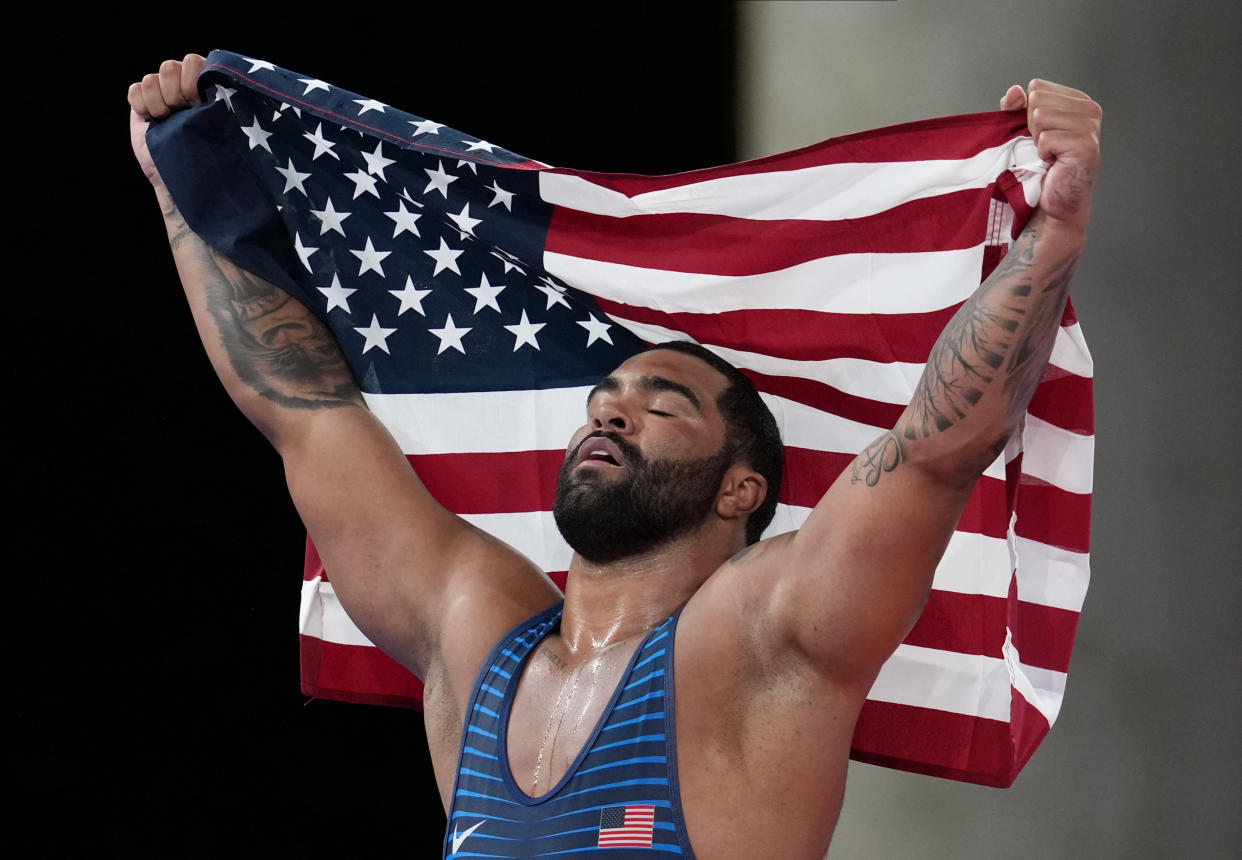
1044,689
467,422
842,284
323,617
532,533
1050,575
482,421
827,192
945,680
1060,457
887,382
1070,353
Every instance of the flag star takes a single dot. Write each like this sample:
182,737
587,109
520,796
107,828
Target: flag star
403,219
439,179
369,259
338,296
411,298
425,127
322,144
304,251
450,336
480,144
405,192
226,93
256,135
284,106
445,257
463,220
510,263
329,218
485,295
293,178
369,104
553,294
504,198
376,162
255,65
375,334
525,332
474,168
363,182
313,84
596,330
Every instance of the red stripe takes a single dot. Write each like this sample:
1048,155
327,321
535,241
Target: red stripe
725,245
1065,400
1029,727
491,483
526,481
938,743
976,624
947,138
1053,516
356,673
800,334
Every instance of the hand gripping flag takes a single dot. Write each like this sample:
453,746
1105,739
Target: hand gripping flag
479,295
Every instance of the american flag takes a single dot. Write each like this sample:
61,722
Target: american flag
626,826
478,295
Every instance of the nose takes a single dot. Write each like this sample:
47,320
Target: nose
608,412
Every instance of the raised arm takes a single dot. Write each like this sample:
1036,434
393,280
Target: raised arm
400,562
853,580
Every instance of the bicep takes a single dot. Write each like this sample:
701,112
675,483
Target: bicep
859,570
399,561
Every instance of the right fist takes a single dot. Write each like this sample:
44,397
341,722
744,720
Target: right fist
156,96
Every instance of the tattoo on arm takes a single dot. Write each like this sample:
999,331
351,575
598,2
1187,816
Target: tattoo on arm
997,344
1001,335
275,345
882,455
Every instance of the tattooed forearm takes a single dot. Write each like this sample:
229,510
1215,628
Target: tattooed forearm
273,343
996,344
178,230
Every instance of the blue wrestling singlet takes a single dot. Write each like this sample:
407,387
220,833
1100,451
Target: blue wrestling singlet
619,798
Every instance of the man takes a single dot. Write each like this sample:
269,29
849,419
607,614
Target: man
697,688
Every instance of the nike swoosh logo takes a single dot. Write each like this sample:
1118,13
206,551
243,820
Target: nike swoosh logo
457,840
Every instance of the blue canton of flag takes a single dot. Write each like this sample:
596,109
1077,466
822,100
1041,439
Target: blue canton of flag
419,246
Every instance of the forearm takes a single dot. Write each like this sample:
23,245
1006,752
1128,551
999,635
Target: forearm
277,361
986,364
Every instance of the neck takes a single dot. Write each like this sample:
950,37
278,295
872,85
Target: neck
610,603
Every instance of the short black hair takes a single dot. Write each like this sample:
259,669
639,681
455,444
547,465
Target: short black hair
753,436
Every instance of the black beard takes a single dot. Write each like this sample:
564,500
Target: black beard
654,502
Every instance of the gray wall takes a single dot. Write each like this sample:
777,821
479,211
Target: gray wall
1143,760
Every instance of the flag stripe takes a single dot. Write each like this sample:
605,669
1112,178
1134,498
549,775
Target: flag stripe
966,623
947,138
713,244
847,283
824,192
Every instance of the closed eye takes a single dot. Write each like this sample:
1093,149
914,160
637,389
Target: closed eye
661,414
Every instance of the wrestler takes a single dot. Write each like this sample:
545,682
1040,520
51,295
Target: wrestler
697,687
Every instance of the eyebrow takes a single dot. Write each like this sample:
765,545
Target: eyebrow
651,383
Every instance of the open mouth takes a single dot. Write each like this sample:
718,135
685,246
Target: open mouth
599,451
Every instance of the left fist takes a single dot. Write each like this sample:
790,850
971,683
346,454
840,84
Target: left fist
1065,126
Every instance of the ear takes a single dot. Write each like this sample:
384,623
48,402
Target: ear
742,491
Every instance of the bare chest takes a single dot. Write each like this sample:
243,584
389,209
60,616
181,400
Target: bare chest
557,707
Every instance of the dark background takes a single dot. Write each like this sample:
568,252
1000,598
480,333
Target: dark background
159,558
155,705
